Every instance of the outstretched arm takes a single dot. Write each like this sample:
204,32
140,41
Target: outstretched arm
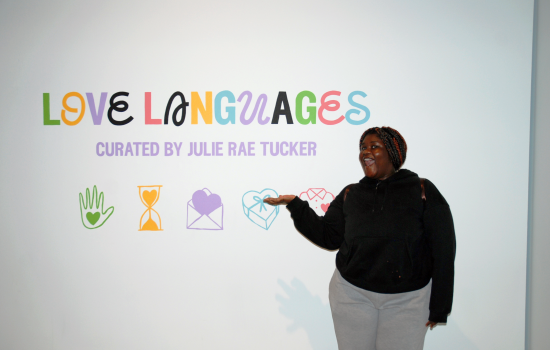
325,231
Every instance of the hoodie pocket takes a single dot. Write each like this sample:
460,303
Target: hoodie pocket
381,261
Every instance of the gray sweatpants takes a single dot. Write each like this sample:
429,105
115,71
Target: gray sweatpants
366,320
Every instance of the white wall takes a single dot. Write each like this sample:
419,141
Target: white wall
454,77
538,286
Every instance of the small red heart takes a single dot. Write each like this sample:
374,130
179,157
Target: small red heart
325,207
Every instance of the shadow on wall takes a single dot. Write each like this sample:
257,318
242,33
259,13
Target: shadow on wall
448,337
308,313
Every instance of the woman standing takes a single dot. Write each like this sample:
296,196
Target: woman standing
395,265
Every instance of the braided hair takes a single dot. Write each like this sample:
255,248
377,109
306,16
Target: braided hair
394,142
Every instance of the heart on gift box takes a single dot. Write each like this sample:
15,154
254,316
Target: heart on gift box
324,207
206,202
260,213
93,218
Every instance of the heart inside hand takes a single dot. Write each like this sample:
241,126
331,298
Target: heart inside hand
93,217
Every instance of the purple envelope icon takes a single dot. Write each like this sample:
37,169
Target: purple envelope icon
205,211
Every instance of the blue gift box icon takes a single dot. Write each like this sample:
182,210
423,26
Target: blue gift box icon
257,211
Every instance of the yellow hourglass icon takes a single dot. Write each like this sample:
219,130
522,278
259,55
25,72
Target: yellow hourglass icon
150,220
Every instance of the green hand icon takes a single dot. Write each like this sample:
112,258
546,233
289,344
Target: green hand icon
91,212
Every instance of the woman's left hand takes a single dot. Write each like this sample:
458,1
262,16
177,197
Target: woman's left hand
431,324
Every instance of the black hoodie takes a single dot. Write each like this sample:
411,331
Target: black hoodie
390,240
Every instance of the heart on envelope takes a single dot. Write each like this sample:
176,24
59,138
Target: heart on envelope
205,211
257,211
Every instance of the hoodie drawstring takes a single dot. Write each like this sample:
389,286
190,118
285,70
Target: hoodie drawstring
384,200
375,195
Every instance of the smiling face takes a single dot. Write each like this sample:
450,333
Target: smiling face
375,159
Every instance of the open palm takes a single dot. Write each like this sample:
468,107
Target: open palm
91,211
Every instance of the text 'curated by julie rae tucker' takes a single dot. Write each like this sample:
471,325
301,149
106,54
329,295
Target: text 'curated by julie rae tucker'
206,149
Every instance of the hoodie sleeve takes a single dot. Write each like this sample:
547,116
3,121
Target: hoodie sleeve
439,228
325,231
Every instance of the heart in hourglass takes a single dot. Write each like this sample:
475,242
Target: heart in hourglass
149,196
